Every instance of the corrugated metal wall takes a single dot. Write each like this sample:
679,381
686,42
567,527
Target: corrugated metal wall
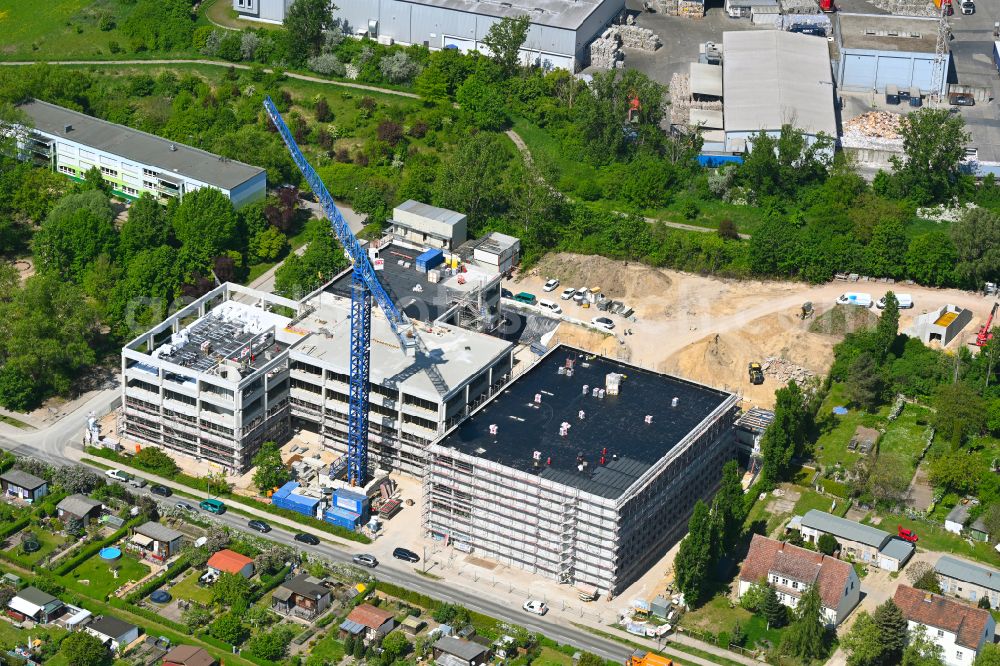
865,70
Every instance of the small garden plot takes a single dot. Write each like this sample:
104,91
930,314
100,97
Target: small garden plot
188,588
100,574
34,545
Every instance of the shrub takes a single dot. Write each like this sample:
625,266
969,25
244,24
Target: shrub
327,64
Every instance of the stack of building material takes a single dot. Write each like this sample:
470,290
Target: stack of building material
875,124
681,101
605,51
634,37
691,8
798,6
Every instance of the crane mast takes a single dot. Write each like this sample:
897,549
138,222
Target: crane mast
365,288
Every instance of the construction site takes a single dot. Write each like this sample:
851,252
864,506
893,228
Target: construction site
583,470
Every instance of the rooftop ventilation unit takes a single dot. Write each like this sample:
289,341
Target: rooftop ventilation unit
67,128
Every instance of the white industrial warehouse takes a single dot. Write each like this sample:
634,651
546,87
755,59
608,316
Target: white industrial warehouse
560,32
773,78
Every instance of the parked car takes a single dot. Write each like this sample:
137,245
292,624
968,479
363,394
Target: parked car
118,475
213,506
535,606
581,295
259,525
405,554
961,99
369,561
137,482
525,297
184,506
162,491
968,7
906,535
310,539
603,322
549,305
551,285
567,293
506,293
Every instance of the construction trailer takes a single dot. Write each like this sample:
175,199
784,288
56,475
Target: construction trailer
583,470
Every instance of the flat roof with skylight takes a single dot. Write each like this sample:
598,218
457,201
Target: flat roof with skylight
535,423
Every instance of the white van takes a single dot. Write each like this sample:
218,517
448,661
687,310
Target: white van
905,302
854,298
549,305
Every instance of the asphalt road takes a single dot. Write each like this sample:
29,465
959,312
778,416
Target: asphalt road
406,575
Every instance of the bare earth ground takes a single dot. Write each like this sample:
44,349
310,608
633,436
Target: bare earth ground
708,329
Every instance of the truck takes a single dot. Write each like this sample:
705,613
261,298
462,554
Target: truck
855,298
756,373
643,658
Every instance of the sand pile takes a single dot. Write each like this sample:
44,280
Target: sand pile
589,340
616,279
779,342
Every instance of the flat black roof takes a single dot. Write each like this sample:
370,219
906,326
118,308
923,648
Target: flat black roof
398,281
616,423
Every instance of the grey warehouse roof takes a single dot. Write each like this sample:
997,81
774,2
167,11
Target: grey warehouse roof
22,479
848,529
139,146
772,78
159,532
566,14
706,79
442,215
887,33
968,572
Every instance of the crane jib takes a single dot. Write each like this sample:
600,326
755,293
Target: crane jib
362,264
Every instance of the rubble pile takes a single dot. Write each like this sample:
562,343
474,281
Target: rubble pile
634,37
689,8
908,7
875,125
784,370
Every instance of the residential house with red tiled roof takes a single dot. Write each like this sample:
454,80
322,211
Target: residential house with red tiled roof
960,630
228,561
367,622
791,570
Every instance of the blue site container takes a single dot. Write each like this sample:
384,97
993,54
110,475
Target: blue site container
337,516
285,498
350,501
429,260
713,161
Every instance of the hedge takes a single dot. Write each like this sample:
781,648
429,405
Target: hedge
7,461
14,527
17,560
214,642
93,549
174,570
268,583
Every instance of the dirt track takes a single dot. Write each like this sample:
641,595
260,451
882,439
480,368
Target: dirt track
708,329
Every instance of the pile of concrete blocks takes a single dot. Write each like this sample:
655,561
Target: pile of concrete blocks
606,51
784,370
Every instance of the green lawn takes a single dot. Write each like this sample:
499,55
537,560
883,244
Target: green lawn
831,446
812,500
936,538
328,650
10,420
11,636
294,242
189,589
906,436
48,542
102,581
551,657
717,616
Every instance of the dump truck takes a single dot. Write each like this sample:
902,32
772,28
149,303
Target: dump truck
756,373
643,658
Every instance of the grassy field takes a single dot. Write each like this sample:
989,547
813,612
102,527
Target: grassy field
294,242
189,589
717,616
831,446
551,657
328,650
11,636
102,581
812,500
48,542
61,29
936,538
10,420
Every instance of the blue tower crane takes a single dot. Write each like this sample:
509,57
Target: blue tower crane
364,287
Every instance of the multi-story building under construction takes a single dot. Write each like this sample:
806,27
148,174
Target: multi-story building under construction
583,470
